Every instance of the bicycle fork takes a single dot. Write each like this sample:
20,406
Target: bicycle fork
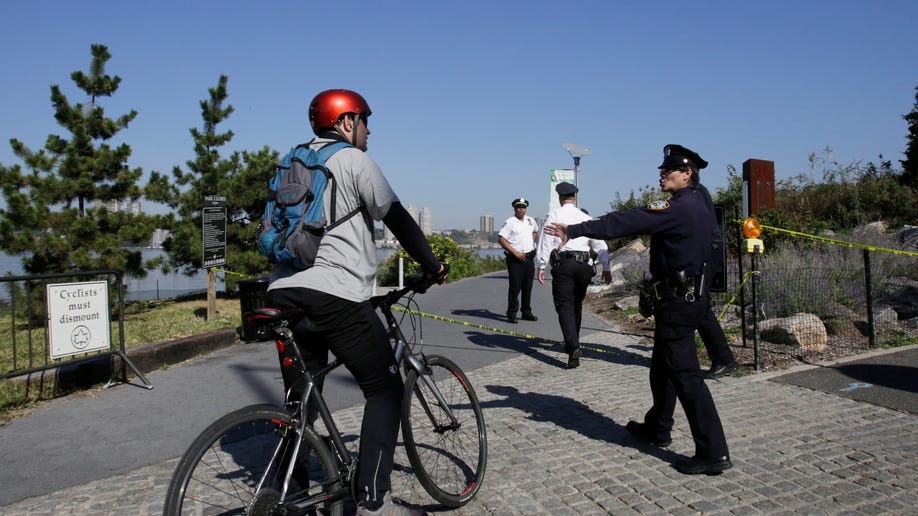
425,374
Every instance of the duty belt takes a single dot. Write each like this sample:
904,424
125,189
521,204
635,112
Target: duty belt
580,256
669,289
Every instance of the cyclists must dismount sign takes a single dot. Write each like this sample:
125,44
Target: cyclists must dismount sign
78,318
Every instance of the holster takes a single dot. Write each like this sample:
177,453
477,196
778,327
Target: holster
648,297
554,258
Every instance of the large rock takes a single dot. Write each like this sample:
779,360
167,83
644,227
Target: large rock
805,331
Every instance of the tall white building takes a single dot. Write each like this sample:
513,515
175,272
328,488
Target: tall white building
124,206
425,220
487,225
412,211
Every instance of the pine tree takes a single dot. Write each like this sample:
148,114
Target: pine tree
910,164
56,216
241,178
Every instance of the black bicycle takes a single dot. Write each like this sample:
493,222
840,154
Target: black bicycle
265,459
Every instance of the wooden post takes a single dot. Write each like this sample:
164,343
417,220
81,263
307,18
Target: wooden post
759,182
211,294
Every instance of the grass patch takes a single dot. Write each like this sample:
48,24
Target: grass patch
145,322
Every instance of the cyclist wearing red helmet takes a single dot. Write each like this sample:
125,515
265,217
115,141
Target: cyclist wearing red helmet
335,292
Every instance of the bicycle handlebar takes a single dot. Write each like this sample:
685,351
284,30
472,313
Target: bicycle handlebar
413,283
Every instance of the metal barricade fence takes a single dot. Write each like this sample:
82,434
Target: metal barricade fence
824,303
26,341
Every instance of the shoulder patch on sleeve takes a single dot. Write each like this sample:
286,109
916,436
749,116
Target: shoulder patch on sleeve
658,205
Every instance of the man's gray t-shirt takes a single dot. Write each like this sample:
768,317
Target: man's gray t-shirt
346,262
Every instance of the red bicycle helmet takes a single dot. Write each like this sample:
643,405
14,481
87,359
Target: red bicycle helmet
328,106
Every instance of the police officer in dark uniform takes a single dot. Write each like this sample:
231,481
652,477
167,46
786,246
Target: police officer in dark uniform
680,243
709,328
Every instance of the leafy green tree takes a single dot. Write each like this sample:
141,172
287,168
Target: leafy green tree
462,264
210,174
910,164
56,216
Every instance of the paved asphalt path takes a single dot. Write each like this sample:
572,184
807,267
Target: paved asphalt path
103,432
888,379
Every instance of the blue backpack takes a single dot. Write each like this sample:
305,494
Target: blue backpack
294,221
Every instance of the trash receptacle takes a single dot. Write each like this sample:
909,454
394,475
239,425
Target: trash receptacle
252,294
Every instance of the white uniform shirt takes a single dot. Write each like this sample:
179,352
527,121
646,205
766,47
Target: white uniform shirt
346,263
570,214
518,233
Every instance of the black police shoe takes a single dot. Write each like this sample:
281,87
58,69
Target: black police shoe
527,316
643,434
696,466
511,318
573,360
718,370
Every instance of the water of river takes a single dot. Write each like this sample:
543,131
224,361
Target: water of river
158,285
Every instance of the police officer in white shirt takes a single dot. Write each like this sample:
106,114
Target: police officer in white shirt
517,237
570,269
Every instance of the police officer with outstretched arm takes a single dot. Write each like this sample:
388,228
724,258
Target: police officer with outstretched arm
680,243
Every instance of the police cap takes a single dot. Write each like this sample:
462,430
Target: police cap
565,189
521,202
677,156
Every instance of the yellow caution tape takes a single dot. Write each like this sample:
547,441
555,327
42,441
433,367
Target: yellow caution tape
509,332
232,273
837,242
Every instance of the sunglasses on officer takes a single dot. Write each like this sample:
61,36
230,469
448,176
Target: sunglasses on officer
664,172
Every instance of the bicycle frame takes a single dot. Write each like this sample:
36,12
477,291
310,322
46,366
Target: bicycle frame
312,398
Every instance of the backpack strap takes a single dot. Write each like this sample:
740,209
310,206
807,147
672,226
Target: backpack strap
325,152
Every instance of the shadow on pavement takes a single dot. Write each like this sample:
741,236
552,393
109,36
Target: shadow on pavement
481,314
902,378
571,415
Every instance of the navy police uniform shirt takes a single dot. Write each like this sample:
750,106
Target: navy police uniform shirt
680,230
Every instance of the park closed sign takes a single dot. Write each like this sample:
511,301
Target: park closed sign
78,318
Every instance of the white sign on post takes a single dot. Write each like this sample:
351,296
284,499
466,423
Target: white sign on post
78,318
555,176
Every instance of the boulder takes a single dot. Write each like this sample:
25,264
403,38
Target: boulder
626,303
805,331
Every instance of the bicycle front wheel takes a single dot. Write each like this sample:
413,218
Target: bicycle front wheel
221,470
448,454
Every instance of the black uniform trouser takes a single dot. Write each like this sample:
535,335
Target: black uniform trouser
569,282
712,334
355,334
709,328
675,374
521,275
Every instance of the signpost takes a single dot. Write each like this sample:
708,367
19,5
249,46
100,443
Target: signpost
213,230
555,176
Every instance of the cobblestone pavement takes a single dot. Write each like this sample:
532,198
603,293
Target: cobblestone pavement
557,445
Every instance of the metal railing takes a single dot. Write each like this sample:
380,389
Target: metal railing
26,337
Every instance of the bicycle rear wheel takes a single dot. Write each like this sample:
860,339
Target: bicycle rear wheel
220,471
448,457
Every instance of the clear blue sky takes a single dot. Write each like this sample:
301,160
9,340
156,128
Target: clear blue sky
472,100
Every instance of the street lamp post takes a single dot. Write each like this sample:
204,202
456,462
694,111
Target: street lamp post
576,152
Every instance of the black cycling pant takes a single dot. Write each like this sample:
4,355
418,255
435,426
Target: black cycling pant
354,333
